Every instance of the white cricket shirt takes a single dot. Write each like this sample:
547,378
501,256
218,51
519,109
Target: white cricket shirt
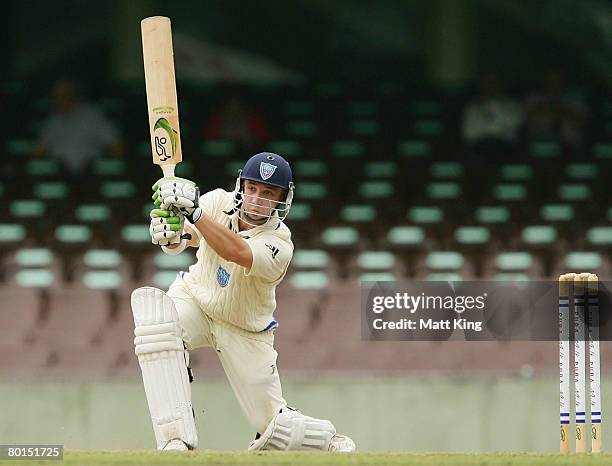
224,290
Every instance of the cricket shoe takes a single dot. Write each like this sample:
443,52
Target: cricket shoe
175,445
341,444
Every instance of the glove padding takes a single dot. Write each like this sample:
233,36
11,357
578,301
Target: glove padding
180,194
166,227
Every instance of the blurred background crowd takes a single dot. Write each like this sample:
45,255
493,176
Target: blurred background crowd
444,140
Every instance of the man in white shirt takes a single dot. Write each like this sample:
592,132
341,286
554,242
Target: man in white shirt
225,301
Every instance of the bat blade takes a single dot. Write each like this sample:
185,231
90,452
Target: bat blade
161,92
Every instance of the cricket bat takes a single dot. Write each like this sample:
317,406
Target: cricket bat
161,92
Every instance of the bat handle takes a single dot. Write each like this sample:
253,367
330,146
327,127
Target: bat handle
168,170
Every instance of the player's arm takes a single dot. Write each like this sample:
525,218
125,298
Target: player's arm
225,242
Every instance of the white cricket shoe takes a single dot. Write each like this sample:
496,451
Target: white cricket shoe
176,445
341,444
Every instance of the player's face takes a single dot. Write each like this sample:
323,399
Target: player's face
259,201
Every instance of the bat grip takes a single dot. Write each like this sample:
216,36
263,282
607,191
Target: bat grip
168,170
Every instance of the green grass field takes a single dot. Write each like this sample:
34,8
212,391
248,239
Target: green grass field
94,458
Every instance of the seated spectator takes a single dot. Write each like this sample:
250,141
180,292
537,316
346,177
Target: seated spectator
492,121
76,132
554,113
246,127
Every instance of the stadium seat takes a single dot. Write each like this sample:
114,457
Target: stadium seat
428,128
602,151
583,261
574,192
516,172
582,171
358,213
557,213
472,236
375,261
309,280
340,237
298,108
406,236
104,168
544,149
361,108
221,148
311,190
47,168
376,190
347,149
300,212
599,236
509,192
310,169
301,128
365,128
386,169
123,189
425,215
414,149
286,148
50,190
444,190
492,214
304,259
446,170
539,235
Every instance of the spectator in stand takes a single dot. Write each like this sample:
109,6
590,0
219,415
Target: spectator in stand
554,113
76,132
492,121
246,127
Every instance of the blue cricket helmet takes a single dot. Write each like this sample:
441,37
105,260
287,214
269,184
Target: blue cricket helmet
271,169
268,168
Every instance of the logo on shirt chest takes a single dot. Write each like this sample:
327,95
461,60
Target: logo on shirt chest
223,277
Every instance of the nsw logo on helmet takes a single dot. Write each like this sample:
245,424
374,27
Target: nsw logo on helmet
266,170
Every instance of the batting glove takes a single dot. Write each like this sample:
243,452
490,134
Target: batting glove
165,227
172,193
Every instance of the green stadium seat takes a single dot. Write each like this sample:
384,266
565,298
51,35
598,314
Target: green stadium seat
309,280
444,277
218,148
299,108
102,259
599,235
73,234
377,277
375,260
12,233
513,261
511,277
287,149
376,189
33,257
340,236
347,149
470,235
385,169
509,192
425,215
310,169
50,190
311,190
185,169
361,108
516,172
102,279
557,213
302,128
446,170
406,236
414,149
136,234
232,168
388,88
42,167
583,261
425,108
163,279
89,213
602,151
117,189
300,211
444,260
109,167
358,213
574,192
492,214
544,149
19,146
27,208
365,128
582,171
539,234
444,190
34,278
163,261
428,128
310,259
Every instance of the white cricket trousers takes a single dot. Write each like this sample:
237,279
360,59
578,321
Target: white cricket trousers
249,364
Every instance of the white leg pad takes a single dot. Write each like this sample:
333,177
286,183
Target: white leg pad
163,361
291,430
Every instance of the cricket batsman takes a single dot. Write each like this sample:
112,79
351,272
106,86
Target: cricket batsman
226,301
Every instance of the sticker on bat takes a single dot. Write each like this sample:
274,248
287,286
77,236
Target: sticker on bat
165,139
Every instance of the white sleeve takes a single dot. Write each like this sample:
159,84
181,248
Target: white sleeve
271,258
